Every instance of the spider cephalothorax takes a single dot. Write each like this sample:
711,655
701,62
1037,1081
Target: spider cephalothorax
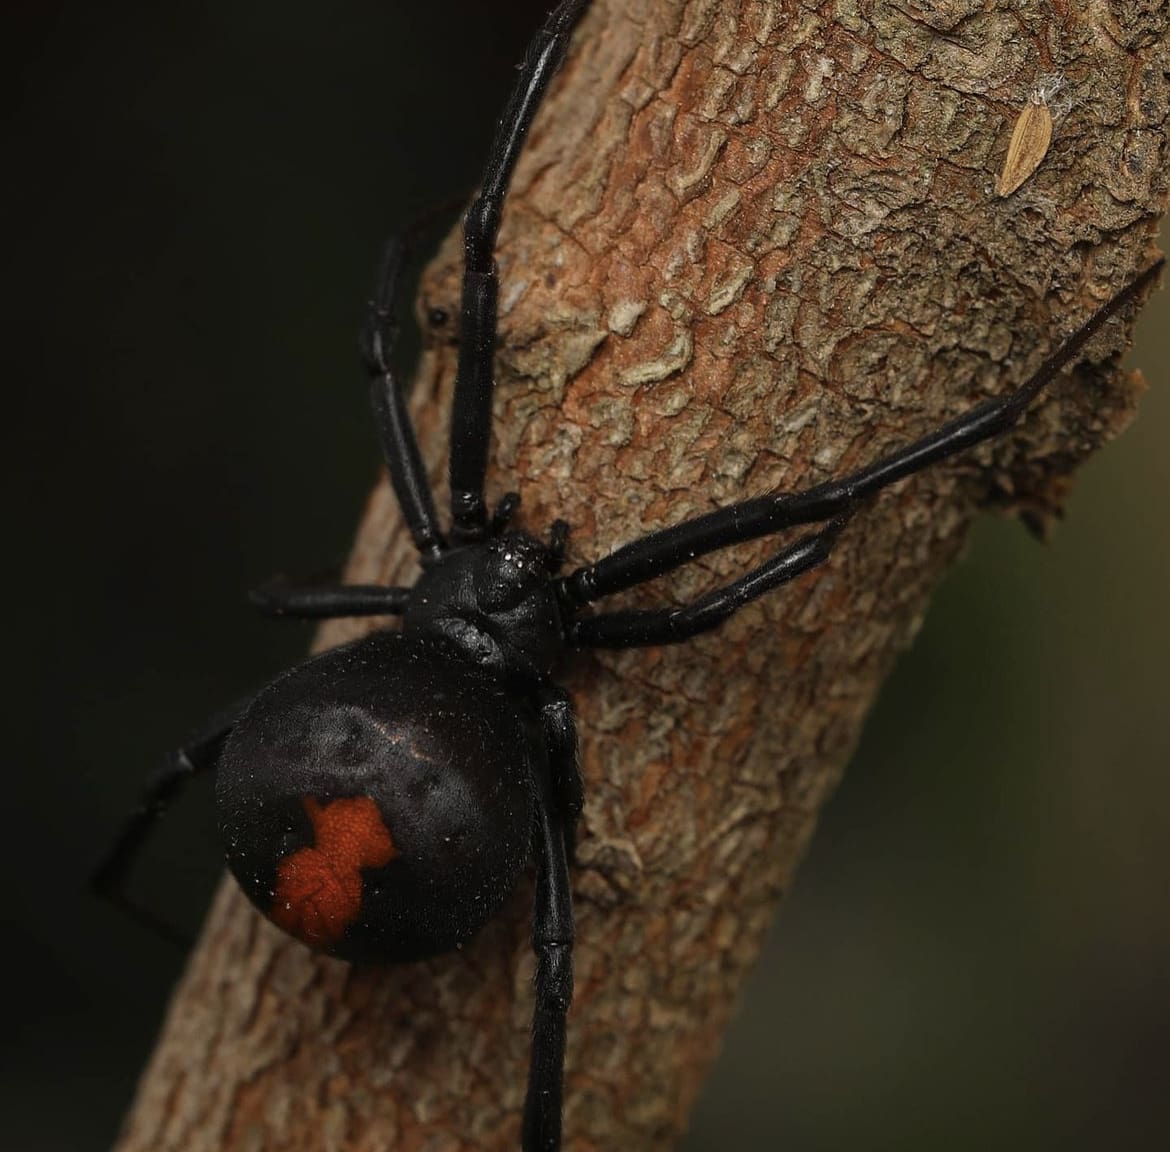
494,602
380,800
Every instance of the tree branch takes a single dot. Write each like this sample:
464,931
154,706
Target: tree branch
749,247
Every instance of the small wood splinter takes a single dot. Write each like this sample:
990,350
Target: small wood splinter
1031,137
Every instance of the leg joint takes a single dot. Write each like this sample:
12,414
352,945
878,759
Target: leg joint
554,973
480,226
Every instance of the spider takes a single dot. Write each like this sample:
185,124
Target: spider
380,801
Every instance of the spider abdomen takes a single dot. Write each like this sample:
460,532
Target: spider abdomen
376,801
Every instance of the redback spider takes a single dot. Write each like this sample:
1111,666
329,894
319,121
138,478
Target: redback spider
380,801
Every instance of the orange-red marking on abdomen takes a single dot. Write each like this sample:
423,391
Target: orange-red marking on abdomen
319,889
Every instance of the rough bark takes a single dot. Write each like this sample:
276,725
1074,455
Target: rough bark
750,245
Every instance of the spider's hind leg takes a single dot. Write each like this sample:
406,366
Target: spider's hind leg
552,941
560,743
110,877
559,801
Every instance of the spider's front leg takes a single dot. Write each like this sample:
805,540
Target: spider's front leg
471,412
831,503
636,628
326,601
408,476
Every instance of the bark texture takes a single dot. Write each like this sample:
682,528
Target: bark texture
750,245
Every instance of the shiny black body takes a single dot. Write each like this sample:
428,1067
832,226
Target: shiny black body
381,800
444,750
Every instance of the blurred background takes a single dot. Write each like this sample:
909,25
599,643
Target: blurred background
977,951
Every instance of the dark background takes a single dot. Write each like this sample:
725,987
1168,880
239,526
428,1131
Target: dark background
978,950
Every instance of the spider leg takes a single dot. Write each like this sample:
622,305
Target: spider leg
319,602
552,941
640,628
471,414
558,543
665,550
408,476
109,878
506,508
560,742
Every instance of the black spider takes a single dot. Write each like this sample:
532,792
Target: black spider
379,801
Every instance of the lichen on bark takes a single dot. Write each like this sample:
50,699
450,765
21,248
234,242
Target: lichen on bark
750,245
